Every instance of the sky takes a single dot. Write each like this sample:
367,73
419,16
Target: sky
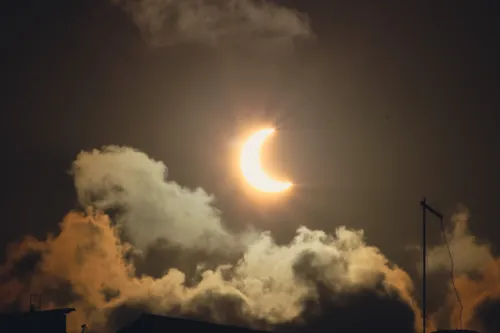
137,109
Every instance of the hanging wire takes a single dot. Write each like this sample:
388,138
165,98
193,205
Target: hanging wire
452,272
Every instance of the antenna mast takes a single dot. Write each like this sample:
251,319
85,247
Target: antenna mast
33,306
425,208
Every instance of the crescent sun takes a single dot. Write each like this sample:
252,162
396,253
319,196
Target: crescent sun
252,168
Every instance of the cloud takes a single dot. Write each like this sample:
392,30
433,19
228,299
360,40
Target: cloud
476,273
217,22
133,188
468,254
315,277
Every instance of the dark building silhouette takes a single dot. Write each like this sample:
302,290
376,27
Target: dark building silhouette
53,321
148,323
455,331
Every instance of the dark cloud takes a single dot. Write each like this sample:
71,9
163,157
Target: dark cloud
162,256
219,308
26,265
218,22
486,316
362,311
380,305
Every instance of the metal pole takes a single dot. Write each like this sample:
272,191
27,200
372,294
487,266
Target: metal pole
424,267
425,208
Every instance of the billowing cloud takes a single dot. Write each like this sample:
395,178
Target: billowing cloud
469,255
317,276
133,188
217,22
476,276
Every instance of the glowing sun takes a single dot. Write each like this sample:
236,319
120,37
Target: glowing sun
251,165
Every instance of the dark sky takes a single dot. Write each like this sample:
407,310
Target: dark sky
393,101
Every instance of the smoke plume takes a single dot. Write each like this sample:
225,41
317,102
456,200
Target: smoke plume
132,187
476,276
141,243
92,263
217,22
469,255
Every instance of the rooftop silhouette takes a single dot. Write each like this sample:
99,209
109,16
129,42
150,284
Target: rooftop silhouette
53,321
455,331
149,323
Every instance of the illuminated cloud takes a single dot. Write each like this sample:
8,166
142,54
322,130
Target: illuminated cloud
265,285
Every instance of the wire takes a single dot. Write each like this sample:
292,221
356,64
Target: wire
452,272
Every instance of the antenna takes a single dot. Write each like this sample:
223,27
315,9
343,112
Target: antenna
34,299
425,208
33,306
